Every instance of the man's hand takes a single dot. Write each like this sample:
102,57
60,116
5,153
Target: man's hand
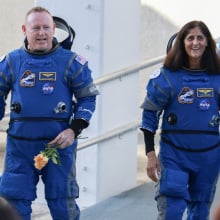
153,166
63,139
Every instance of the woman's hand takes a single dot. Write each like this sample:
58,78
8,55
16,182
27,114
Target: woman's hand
153,166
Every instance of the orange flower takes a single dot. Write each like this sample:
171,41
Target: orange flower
40,161
50,152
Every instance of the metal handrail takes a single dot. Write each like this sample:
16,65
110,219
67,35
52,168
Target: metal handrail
115,132
129,70
106,78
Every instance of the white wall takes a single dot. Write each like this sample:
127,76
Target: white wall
181,12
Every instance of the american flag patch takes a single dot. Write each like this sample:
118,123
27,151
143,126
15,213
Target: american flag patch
80,59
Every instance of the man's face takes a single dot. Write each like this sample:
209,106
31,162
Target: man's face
39,30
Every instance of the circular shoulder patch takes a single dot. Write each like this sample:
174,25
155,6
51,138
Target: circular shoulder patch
2,58
155,74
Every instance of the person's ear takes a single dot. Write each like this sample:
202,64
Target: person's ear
23,27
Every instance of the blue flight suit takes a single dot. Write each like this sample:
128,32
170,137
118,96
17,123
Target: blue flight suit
188,102
42,87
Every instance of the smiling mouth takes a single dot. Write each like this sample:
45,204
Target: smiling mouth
41,40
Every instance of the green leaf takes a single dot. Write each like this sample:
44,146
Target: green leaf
54,159
52,153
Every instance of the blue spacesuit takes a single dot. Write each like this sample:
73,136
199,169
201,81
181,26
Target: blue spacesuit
42,87
188,102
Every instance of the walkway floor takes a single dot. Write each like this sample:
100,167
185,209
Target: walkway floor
135,204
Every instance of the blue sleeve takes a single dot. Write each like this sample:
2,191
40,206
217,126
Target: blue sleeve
84,90
84,108
6,77
158,92
5,84
81,81
150,120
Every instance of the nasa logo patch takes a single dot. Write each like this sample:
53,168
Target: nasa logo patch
47,88
204,104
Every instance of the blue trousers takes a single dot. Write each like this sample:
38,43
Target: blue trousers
20,177
188,181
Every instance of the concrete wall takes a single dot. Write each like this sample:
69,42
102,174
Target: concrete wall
12,13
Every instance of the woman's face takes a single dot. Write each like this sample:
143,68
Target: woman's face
195,44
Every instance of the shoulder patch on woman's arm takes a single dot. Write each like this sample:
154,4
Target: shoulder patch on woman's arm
155,74
2,58
80,59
